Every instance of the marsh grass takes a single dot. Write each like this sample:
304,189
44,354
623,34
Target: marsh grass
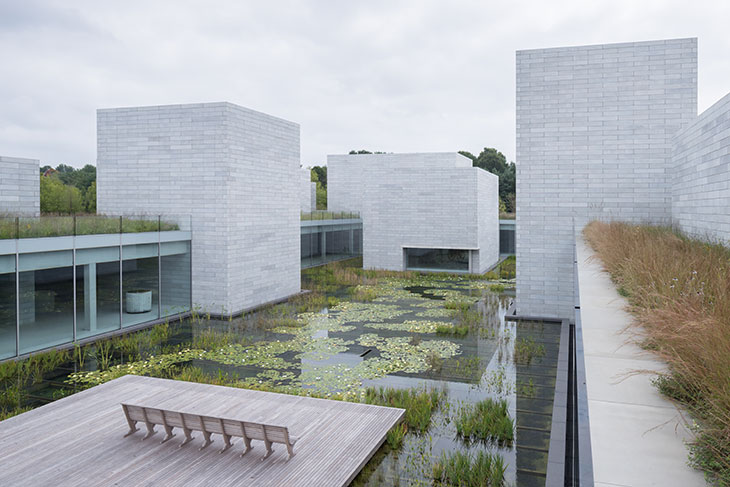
463,469
484,421
496,288
470,318
364,293
527,350
395,436
58,225
452,330
419,404
678,292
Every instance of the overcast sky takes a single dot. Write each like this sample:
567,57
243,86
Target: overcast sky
379,75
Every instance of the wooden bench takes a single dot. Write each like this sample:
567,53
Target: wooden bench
207,425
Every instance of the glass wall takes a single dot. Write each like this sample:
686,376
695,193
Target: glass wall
97,291
46,283
175,276
7,306
437,259
140,283
81,277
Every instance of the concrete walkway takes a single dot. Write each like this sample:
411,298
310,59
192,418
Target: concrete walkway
637,436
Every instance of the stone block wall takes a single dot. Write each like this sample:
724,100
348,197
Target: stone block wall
20,192
306,203
430,200
234,170
594,140
701,175
488,218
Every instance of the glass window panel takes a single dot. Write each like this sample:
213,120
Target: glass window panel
97,291
140,275
46,299
175,277
437,259
7,306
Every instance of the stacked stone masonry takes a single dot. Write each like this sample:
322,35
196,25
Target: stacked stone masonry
701,175
594,141
234,170
307,191
19,186
428,200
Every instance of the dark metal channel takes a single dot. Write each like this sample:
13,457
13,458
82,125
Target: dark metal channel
572,477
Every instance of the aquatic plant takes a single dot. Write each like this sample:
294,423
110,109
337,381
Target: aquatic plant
526,350
413,326
395,436
103,354
458,304
485,420
364,293
418,403
448,329
466,470
209,339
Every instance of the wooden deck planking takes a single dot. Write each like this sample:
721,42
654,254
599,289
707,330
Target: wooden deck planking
79,439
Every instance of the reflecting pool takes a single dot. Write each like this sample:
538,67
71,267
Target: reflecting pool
358,330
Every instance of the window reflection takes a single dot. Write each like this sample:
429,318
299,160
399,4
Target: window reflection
437,259
46,299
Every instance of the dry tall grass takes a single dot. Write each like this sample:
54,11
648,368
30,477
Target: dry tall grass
679,291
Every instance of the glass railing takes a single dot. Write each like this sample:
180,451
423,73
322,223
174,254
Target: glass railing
329,215
14,227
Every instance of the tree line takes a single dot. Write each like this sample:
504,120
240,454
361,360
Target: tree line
66,190
489,159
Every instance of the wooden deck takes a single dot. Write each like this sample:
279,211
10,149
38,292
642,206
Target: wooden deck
79,440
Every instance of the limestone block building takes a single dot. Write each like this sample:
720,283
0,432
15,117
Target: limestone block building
234,170
421,211
595,140
307,191
700,174
20,192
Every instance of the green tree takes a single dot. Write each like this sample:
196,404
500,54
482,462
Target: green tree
90,198
81,178
57,197
319,176
492,160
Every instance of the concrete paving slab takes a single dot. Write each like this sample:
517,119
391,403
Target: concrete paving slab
637,436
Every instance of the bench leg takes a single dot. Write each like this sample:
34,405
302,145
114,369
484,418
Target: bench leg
269,450
247,442
150,430
169,434
188,437
290,449
227,441
132,427
208,441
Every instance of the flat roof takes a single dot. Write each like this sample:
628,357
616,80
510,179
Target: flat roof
79,440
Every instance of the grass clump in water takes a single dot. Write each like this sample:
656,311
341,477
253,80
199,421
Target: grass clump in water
458,305
467,470
496,288
364,293
395,436
526,350
486,420
447,329
419,404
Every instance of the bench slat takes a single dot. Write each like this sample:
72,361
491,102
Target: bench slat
211,424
